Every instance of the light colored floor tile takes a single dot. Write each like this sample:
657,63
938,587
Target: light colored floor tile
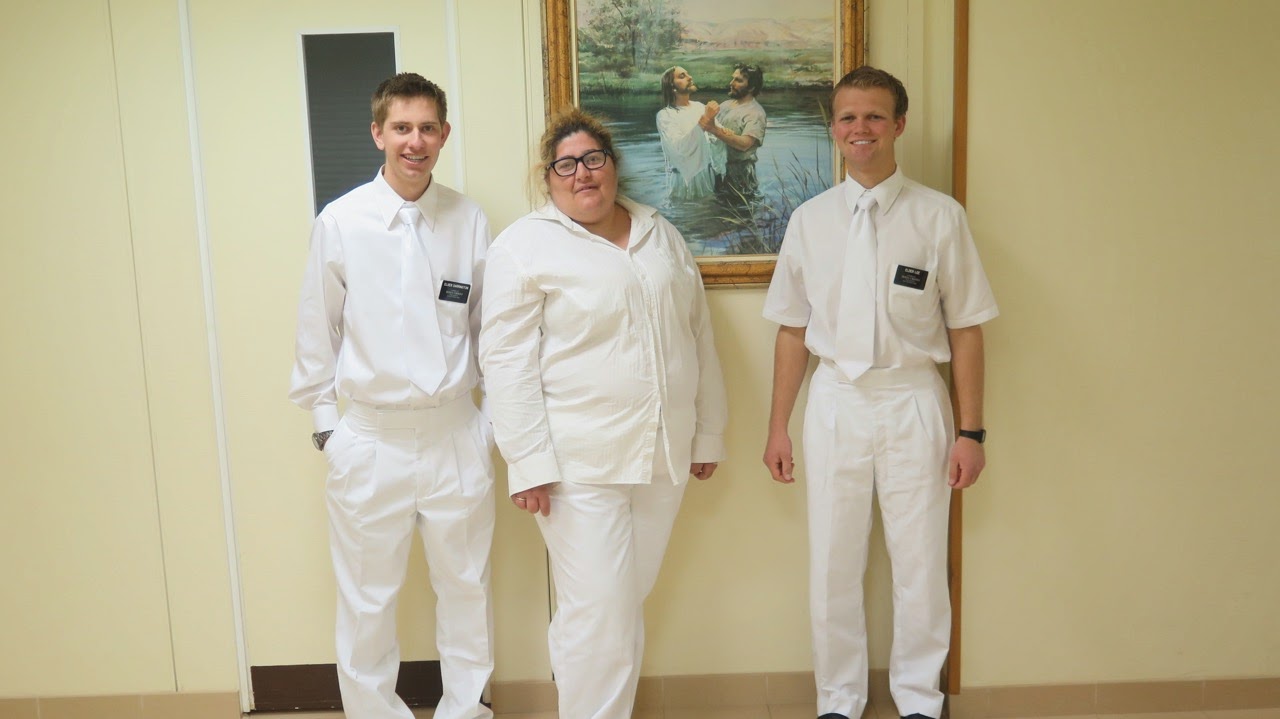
790,688
1241,694
1273,713
524,697
529,715
1038,701
1157,715
18,709
793,711
1091,716
884,709
715,690
878,687
294,715
1148,697
649,694
223,705
969,704
743,712
91,708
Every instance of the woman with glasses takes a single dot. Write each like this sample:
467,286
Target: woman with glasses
606,394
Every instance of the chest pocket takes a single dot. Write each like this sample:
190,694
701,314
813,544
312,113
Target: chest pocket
454,319
913,292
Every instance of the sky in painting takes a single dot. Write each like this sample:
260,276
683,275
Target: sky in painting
714,10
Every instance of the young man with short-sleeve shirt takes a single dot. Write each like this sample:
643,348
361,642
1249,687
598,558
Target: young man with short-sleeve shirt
388,322
879,277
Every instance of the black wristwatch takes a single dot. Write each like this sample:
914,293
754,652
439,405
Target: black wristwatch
977,435
319,438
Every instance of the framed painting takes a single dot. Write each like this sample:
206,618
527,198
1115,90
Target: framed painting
718,109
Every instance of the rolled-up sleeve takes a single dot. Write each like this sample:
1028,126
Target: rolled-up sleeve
324,293
510,337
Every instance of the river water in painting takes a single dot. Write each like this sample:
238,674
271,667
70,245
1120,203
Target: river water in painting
794,163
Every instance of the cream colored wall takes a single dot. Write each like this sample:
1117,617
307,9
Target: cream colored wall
1091,524
168,623
84,601
161,204
1123,167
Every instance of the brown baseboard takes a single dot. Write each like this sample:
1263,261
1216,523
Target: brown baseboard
314,687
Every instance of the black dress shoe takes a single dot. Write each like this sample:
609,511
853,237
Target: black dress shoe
833,715
916,716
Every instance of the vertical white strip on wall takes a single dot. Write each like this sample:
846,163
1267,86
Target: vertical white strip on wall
215,362
306,119
534,113
453,44
917,82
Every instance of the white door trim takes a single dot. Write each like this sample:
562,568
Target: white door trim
215,361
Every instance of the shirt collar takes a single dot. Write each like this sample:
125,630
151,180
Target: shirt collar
641,216
885,193
389,203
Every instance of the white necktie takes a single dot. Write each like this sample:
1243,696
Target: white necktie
856,323
426,363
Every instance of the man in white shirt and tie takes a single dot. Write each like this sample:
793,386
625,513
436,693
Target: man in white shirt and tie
879,277
388,322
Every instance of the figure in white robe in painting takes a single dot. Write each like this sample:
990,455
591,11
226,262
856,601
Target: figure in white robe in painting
694,158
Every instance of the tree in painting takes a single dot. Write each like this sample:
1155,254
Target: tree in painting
627,35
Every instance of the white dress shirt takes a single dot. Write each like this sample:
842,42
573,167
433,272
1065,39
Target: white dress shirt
596,357
917,228
351,340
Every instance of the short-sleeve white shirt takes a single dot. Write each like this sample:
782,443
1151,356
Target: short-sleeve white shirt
917,228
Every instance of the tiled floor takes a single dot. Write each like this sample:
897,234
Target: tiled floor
806,711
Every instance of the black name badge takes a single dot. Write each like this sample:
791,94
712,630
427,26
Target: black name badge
911,277
455,291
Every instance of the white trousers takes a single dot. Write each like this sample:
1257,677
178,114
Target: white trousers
391,472
888,433
606,544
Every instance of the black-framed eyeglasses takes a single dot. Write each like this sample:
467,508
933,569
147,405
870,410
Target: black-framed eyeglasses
593,160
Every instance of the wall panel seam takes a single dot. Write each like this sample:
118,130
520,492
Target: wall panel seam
142,342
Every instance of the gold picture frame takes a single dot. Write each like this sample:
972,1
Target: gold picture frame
560,82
